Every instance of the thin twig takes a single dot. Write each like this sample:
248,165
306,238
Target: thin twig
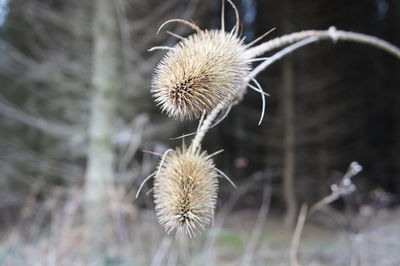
188,23
258,227
345,187
142,184
294,247
226,177
205,126
49,127
212,235
205,129
277,56
162,251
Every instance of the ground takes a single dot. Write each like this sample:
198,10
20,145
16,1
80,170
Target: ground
372,239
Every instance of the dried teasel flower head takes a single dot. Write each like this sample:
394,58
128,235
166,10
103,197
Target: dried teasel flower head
200,72
185,191
205,71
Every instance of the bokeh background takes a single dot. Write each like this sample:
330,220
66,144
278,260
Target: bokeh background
76,113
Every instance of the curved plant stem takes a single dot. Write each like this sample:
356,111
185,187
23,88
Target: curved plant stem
205,126
294,247
293,42
196,142
287,50
330,34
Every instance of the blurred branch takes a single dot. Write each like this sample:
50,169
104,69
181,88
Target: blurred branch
136,138
51,128
256,234
345,187
297,234
162,251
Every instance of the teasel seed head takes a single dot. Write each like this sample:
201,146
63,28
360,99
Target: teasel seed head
202,71
185,191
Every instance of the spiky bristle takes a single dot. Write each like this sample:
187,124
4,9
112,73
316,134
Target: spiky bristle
203,70
185,191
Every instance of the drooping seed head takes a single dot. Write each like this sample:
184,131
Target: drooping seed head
185,191
203,70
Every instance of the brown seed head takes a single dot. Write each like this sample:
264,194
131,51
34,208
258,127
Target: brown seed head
185,191
203,70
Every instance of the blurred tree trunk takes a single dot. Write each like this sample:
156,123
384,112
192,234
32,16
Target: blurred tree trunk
394,22
289,129
100,160
322,137
289,143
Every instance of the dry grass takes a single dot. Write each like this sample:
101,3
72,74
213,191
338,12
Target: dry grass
51,232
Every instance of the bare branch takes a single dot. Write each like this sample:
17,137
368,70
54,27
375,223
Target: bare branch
44,125
330,34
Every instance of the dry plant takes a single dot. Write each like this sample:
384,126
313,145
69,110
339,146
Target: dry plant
53,232
342,189
185,192
203,76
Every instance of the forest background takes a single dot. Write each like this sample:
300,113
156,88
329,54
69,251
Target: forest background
76,113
